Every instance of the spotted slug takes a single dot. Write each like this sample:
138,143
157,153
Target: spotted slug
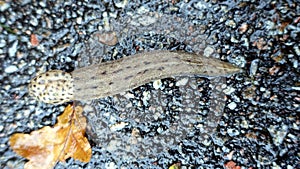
110,78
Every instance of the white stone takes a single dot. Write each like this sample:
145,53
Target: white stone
118,126
182,82
232,105
229,90
11,69
79,20
157,84
208,51
4,6
13,49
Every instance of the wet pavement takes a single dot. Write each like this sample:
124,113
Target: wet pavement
250,119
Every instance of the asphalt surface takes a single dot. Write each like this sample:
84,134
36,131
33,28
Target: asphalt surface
250,119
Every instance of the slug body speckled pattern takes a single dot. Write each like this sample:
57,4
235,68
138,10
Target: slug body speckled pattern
54,87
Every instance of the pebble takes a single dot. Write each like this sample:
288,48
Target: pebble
208,51
2,43
269,25
121,4
182,82
230,23
11,69
246,42
147,20
234,40
243,28
278,134
110,165
296,88
118,126
13,49
4,5
42,4
253,67
34,21
295,64
232,105
232,132
146,97
297,50
107,38
244,124
157,84
201,5
229,90
79,20
1,127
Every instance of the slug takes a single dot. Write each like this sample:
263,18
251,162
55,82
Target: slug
110,78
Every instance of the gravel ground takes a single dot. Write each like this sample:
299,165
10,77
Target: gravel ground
250,120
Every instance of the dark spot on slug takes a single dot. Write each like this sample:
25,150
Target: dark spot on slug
189,60
110,83
143,72
94,87
56,74
128,67
128,77
63,73
117,71
161,68
146,62
47,74
104,73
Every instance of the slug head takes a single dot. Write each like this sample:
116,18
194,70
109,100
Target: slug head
54,87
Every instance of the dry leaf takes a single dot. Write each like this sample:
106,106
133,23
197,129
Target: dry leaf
44,147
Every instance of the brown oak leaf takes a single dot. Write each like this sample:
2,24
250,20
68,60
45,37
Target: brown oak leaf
45,147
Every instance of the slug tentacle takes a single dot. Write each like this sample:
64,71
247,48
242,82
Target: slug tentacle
109,78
